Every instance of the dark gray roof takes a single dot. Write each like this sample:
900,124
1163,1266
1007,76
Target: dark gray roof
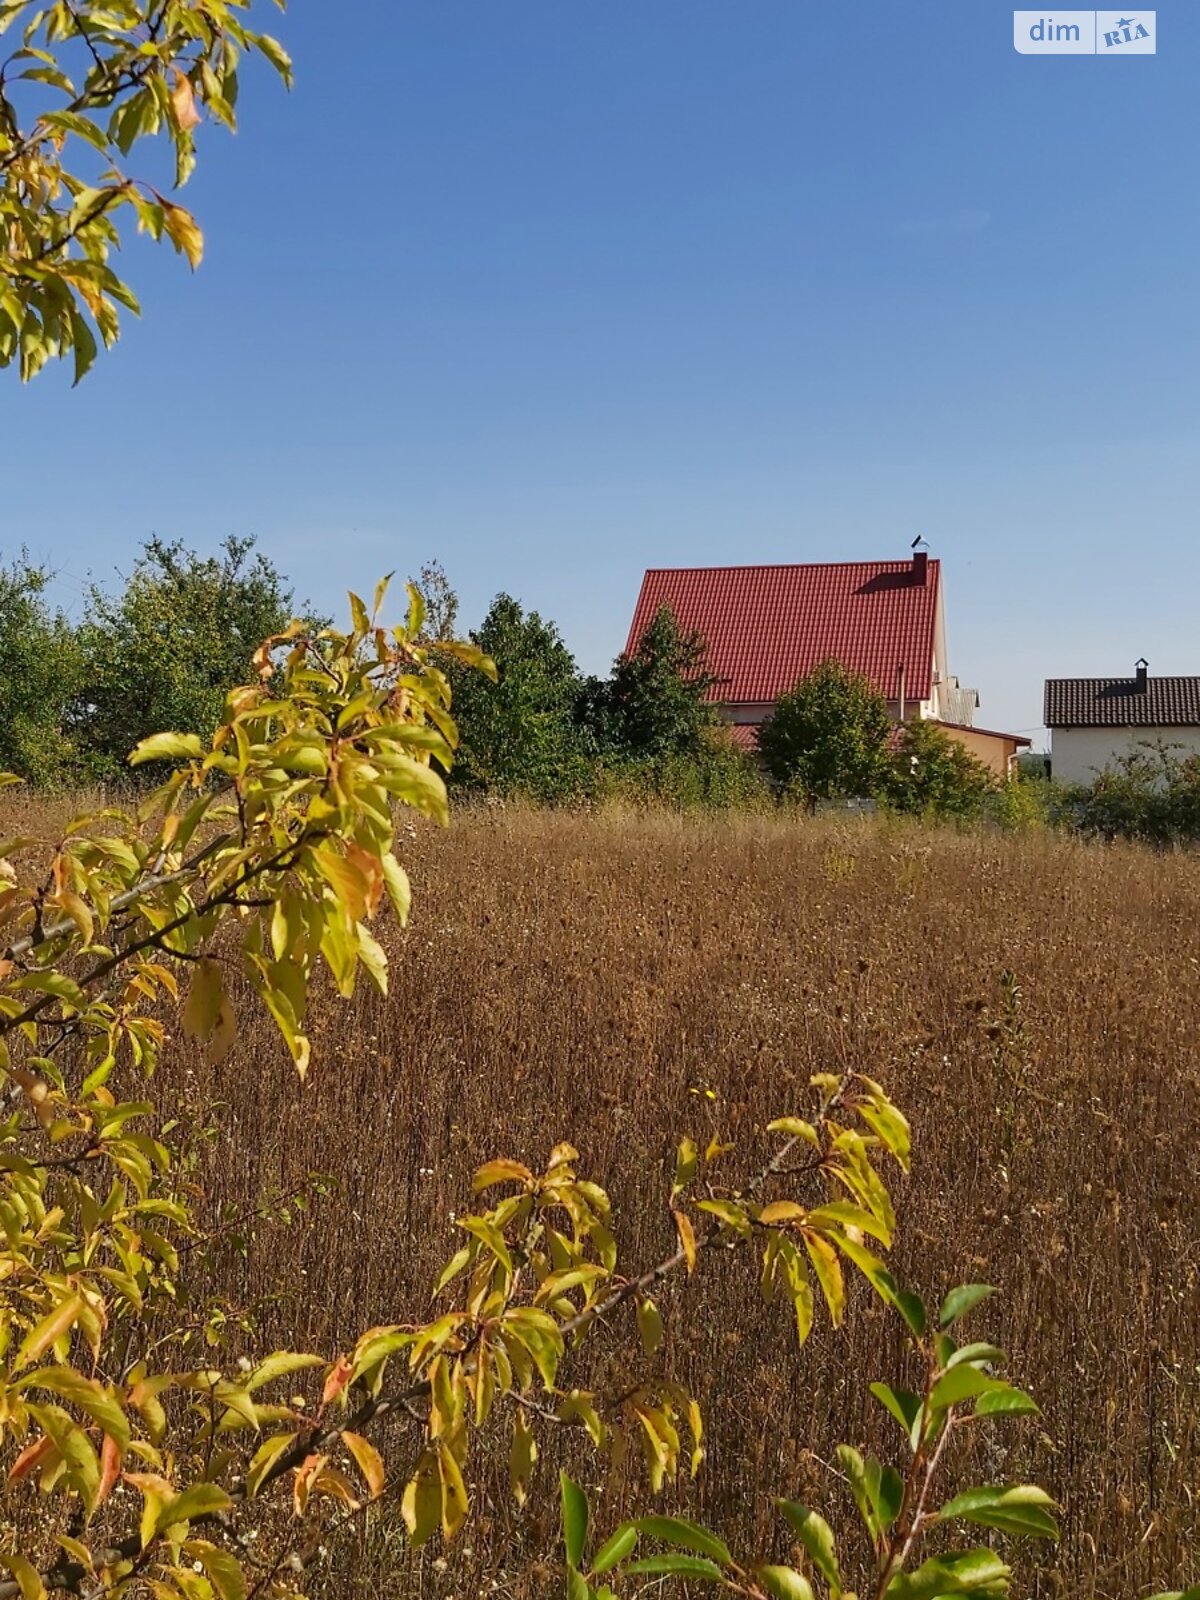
1118,702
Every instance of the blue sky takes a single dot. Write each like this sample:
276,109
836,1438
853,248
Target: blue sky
555,290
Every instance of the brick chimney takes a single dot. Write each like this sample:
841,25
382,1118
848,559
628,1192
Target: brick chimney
1141,681
920,567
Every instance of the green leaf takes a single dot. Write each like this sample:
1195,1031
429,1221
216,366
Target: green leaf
784,1583
900,1403
223,1568
885,1487
815,1534
959,1301
912,1308
959,1384
1006,1401
974,1355
615,1549
854,1469
167,747
686,1159
574,1519
972,1572
277,56
688,1535
199,1500
280,1365
675,1566
1019,1510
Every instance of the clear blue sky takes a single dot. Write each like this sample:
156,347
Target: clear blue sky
558,289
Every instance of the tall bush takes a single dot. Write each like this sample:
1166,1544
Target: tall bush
827,738
166,648
519,735
933,775
41,670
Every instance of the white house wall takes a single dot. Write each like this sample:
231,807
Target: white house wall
1078,754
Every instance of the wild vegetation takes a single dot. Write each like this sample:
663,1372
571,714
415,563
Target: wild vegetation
620,979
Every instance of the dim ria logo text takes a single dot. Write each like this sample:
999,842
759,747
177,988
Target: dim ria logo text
1085,33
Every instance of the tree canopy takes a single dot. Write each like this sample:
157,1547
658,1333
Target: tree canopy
83,84
827,737
41,670
654,704
519,735
164,651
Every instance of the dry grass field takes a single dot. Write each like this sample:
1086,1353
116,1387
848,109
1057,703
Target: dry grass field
593,978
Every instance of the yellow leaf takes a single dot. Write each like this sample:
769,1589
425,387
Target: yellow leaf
28,1579
51,1328
368,1460
202,1008
454,1491
184,233
224,1569
421,1503
687,1238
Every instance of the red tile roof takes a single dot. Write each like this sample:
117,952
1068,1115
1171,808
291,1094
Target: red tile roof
768,627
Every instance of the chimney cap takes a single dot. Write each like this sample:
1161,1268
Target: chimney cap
1141,664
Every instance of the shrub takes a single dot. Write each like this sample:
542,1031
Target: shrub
654,706
1151,795
519,736
715,776
165,651
933,775
40,671
827,738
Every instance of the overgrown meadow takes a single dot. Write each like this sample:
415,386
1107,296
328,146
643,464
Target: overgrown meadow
621,979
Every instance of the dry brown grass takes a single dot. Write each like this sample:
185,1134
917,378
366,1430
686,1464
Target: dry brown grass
591,977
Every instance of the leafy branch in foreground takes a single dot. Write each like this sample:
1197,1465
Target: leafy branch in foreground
897,1507
88,80
265,853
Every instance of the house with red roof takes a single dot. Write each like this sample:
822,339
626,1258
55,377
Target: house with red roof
768,627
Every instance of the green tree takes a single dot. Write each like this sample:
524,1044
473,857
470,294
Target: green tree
518,736
933,775
827,738
654,704
40,671
101,74
441,602
165,650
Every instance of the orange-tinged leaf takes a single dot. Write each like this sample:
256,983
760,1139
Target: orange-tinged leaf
183,100
302,1487
687,1238
110,1468
337,1380
30,1458
368,1460
184,232
371,869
